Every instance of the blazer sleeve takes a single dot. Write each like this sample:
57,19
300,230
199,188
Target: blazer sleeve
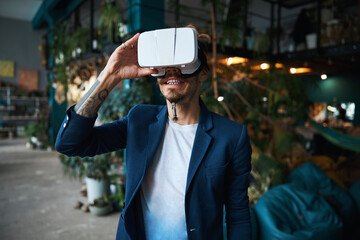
237,201
78,136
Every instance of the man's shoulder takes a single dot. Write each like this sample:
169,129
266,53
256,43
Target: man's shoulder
147,107
225,124
145,110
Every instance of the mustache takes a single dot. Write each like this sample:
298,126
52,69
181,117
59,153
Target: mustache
176,75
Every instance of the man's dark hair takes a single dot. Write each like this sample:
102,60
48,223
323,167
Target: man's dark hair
201,48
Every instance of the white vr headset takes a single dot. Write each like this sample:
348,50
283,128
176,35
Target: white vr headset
171,47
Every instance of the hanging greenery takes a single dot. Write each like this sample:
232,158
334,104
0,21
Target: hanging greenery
78,42
109,21
58,48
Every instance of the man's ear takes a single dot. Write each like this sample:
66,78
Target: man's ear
203,75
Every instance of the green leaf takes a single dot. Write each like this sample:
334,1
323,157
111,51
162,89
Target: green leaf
283,140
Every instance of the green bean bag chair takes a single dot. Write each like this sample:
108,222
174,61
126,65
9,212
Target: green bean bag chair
312,178
354,191
287,212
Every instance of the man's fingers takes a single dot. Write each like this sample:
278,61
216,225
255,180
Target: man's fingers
146,71
129,44
132,42
134,39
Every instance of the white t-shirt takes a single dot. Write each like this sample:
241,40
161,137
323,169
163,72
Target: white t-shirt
163,188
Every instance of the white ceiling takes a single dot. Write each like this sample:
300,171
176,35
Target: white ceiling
19,9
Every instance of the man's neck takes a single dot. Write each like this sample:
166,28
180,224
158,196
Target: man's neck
185,113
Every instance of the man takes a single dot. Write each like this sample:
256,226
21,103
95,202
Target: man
183,163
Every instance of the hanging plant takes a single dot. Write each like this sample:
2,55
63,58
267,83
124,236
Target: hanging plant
61,74
109,20
78,42
60,43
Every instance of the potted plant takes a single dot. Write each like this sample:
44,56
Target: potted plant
95,170
101,206
36,134
117,196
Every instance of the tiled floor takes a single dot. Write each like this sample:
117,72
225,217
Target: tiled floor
37,200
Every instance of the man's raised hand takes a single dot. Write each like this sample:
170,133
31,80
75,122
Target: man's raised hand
123,63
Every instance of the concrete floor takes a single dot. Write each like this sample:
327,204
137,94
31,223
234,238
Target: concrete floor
37,200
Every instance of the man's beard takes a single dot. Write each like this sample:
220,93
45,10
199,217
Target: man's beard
175,97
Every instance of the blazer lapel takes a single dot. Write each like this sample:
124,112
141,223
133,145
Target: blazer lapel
201,143
156,132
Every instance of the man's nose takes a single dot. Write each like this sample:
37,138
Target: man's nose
172,70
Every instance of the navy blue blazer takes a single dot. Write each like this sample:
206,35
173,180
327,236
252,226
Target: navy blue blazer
218,171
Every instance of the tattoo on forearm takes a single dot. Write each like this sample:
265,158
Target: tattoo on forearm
87,95
103,94
92,104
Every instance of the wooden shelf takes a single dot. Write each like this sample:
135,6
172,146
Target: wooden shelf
19,111
29,99
19,118
7,108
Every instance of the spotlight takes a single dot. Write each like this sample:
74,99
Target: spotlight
220,98
299,70
323,76
264,66
235,60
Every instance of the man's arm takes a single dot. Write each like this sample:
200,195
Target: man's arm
122,64
77,135
94,98
237,201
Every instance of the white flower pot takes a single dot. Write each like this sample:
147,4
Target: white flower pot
96,188
101,211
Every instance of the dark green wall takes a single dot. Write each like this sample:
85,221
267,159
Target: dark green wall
145,15
344,87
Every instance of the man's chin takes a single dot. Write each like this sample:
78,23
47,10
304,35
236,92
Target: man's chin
174,98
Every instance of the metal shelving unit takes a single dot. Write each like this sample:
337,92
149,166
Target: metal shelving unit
18,111
335,57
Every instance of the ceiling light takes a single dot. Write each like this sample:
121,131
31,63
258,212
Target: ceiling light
235,60
323,76
299,70
279,65
220,98
264,66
